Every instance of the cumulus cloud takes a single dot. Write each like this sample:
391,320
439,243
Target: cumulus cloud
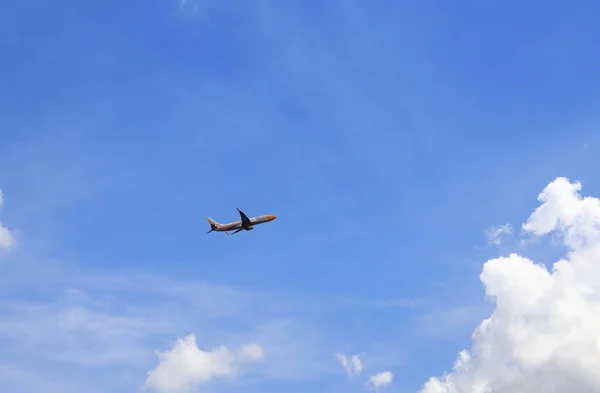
380,380
7,240
352,365
543,333
186,366
494,234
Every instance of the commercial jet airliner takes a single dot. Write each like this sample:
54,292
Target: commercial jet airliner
244,224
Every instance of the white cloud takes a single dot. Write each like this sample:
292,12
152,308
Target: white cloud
380,381
186,366
73,323
543,334
352,365
195,5
494,234
7,240
252,352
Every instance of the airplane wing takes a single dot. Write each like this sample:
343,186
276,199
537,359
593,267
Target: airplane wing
245,219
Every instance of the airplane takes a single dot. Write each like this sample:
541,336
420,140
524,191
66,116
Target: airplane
244,224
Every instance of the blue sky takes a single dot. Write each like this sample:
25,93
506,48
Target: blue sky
385,137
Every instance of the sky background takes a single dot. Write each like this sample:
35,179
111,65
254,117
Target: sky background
386,137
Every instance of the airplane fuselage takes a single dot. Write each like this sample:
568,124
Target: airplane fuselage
238,224
245,223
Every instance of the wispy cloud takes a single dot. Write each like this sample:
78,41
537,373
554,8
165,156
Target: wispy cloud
93,321
449,321
7,239
495,234
391,303
196,6
542,335
351,364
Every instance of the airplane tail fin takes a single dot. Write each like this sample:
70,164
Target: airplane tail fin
213,224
